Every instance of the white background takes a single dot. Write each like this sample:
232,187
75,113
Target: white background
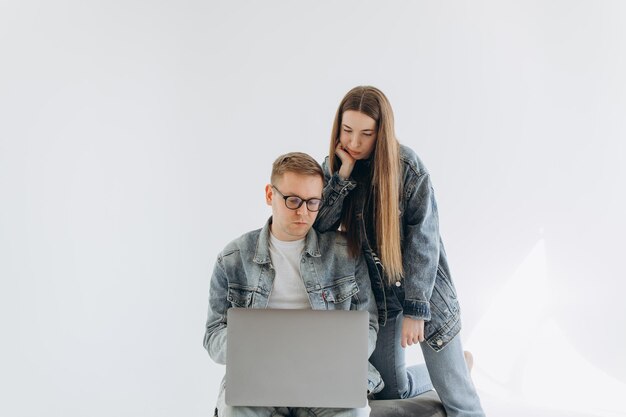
136,138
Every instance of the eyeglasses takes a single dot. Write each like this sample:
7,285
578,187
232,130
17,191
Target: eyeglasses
294,202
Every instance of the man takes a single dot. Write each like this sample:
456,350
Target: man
287,264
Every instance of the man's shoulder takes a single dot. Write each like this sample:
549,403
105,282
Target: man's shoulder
332,240
245,242
336,256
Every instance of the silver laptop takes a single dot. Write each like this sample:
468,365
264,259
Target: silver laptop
296,358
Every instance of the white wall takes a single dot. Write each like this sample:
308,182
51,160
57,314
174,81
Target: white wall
136,138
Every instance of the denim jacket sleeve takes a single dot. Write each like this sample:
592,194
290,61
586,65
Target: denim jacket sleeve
215,334
335,191
365,301
421,245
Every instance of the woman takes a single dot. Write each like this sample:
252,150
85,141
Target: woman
380,194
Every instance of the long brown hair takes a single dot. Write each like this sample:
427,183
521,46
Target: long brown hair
385,183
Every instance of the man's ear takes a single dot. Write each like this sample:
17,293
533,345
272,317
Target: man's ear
269,193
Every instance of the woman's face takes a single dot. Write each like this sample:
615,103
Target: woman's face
357,134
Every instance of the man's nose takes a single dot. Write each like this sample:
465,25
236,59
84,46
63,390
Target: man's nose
302,209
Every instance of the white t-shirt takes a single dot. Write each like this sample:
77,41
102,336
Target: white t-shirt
288,290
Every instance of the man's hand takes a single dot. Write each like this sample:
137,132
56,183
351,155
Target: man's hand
412,331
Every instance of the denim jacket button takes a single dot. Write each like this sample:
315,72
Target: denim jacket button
398,283
439,342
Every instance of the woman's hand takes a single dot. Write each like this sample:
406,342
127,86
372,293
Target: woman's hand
347,162
412,331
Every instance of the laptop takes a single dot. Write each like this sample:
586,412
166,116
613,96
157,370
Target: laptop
296,358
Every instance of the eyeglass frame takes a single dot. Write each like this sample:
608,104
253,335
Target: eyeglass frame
302,201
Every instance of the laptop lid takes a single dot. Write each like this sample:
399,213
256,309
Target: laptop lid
296,358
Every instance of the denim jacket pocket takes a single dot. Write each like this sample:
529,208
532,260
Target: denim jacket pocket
240,297
341,291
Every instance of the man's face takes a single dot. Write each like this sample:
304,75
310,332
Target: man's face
288,224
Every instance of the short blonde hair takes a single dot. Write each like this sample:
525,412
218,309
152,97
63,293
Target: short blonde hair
296,162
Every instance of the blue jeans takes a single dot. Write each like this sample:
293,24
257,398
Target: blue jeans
228,411
223,410
445,371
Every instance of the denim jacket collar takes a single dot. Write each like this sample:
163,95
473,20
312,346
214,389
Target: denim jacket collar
262,253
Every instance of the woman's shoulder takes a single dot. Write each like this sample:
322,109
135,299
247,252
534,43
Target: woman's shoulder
411,161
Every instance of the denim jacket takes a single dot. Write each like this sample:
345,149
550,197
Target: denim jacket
426,291
243,276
